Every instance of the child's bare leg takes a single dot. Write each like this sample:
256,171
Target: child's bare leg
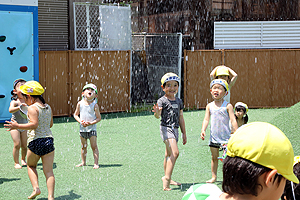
172,149
15,135
93,141
32,160
83,152
23,147
48,171
214,164
165,164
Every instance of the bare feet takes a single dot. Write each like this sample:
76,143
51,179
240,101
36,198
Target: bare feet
96,166
35,193
166,184
174,183
212,180
23,162
81,164
18,166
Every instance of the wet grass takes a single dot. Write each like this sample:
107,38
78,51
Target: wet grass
131,157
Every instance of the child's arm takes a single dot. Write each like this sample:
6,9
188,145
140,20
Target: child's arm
182,127
13,107
213,73
51,123
157,111
205,122
76,113
233,75
232,118
33,114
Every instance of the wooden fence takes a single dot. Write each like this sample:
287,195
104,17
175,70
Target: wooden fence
266,78
64,73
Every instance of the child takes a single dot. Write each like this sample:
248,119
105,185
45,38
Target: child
88,110
292,190
40,139
241,116
227,74
221,112
258,163
18,136
170,109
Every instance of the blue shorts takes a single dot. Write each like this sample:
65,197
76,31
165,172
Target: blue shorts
88,135
41,146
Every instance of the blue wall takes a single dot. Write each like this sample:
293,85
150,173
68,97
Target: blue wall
19,27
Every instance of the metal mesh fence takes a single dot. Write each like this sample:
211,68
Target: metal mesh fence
153,56
101,27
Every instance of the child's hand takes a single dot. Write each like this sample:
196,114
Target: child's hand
184,140
156,108
203,135
88,123
83,123
11,125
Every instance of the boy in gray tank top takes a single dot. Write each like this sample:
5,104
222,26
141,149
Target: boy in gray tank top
221,113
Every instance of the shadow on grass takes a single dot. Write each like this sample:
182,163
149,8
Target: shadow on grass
105,166
186,186
69,196
2,180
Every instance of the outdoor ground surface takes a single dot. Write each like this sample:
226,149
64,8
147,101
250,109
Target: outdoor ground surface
131,157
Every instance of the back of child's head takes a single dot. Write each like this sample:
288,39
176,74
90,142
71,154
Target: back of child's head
240,176
242,106
170,76
254,149
220,82
292,190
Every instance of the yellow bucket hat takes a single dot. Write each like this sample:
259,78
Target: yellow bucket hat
169,77
222,71
32,88
264,144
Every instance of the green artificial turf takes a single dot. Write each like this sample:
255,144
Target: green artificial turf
131,157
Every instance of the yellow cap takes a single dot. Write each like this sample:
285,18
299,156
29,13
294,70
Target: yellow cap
222,71
219,81
264,144
32,88
169,77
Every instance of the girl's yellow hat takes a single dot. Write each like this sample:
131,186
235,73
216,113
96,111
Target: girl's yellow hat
222,71
32,88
